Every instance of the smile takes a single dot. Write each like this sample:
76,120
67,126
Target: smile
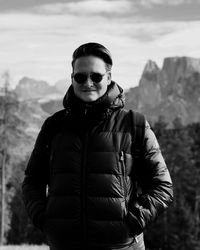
88,90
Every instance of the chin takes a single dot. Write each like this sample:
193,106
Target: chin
88,98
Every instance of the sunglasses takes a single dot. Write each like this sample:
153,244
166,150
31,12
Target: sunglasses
81,78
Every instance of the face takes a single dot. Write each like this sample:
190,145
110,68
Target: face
89,90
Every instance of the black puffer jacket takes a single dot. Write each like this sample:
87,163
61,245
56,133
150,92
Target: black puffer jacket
83,154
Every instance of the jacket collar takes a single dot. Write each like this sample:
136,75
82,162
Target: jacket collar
112,99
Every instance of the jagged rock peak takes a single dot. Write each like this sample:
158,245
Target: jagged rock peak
150,67
150,73
30,81
184,64
173,91
29,88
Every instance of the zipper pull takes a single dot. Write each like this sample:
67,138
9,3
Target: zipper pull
121,158
136,239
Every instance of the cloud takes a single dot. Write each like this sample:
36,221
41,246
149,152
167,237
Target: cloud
138,10
150,3
87,7
41,46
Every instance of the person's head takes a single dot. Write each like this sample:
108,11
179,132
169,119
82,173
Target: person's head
91,65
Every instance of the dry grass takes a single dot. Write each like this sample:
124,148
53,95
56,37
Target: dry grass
24,247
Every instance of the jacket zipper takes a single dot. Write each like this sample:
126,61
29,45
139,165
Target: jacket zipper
84,186
123,168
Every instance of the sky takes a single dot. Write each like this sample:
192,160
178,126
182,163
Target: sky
37,38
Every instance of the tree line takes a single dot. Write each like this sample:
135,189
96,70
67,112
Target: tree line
178,227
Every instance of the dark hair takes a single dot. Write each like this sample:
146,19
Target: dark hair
93,49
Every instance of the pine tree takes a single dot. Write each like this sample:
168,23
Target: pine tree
177,227
194,130
22,230
10,130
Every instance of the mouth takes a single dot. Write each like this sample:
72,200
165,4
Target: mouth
88,90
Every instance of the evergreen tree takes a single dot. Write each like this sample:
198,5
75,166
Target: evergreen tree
194,131
22,229
10,131
16,227
177,228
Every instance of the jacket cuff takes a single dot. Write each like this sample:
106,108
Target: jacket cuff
38,221
134,224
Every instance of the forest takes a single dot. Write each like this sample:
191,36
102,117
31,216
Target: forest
177,228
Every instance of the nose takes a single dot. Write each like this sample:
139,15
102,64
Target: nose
88,82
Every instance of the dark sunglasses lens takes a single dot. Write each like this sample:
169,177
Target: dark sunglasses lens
96,77
80,78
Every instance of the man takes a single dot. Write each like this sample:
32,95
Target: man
87,184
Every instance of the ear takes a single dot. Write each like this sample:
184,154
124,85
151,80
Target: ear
109,77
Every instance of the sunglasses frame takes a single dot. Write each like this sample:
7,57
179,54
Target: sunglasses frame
88,75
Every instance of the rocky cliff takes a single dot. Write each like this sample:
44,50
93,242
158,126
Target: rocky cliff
39,93
172,91
32,89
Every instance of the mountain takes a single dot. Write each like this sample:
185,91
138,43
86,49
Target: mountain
62,85
29,89
40,93
52,103
172,91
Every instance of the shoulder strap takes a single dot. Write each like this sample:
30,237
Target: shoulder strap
54,125
137,131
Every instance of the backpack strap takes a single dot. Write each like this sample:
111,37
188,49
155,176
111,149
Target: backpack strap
137,132
56,122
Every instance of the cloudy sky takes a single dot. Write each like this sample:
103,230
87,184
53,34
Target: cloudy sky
37,38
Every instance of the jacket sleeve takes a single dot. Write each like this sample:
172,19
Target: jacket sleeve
35,182
155,182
